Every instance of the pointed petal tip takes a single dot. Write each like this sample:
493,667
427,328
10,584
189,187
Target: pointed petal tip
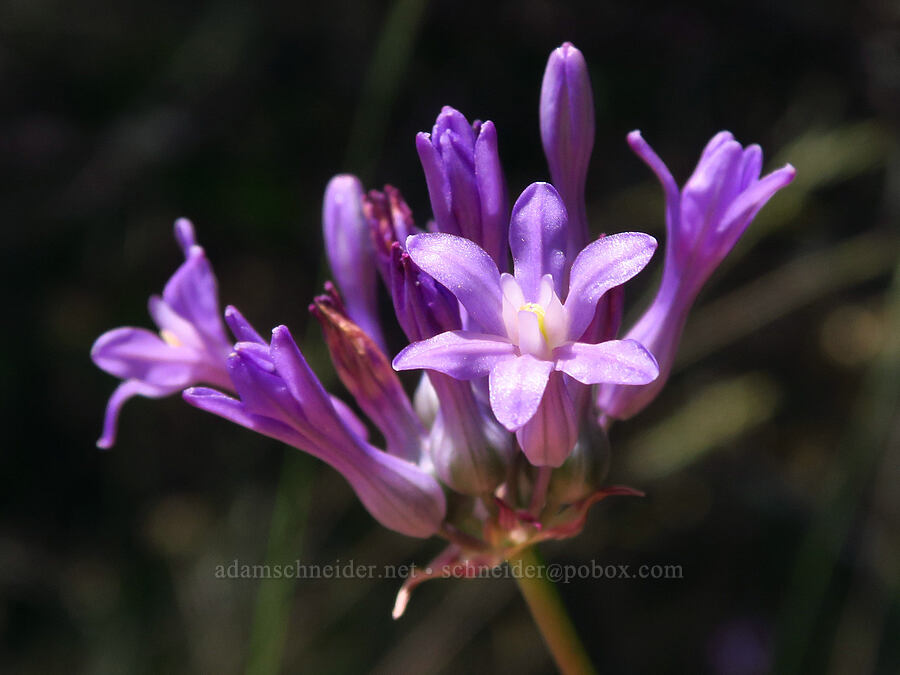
185,234
400,603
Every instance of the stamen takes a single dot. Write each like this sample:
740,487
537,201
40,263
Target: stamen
538,311
170,338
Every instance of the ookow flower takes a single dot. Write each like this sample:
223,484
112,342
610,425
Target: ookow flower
704,220
190,347
531,325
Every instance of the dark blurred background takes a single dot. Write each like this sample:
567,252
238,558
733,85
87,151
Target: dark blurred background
771,462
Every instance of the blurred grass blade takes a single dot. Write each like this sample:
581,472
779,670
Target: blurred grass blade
784,290
274,598
710,418
388,67
874,417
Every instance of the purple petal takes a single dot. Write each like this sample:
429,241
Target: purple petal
748,204
348,245
123,392
300,379
549,436
466,270
714,144
537,238
136,353
184,235
752,161
710,190
240,327
438,184
235,411
614,362
458,161
399,495
345,412
673,197
177,331
193,293
517,386
605,263
459,354
492,193
424,308
451,119
262,391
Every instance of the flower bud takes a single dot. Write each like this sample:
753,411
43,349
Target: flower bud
585,469
366,372
465,181
348,246
567,132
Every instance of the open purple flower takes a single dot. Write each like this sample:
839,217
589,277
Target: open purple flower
531,324
704,220
191,346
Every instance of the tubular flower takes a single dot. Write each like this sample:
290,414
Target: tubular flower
280,397
191,346
704,220
531,334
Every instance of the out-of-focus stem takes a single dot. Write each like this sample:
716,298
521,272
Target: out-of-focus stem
551,617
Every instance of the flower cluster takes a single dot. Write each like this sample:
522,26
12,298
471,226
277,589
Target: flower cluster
504,441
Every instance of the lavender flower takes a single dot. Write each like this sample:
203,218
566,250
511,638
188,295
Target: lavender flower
465,181
530,334
703,223
191,346
280,397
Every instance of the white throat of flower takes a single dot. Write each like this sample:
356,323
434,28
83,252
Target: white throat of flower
537,326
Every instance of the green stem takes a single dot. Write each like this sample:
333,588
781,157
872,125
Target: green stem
551,617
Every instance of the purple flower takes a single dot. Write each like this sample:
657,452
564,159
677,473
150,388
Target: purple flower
567,131
465,181
703,223
348,246
280,397
191,346
530,334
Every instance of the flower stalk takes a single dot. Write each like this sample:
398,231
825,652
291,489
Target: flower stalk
550,616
